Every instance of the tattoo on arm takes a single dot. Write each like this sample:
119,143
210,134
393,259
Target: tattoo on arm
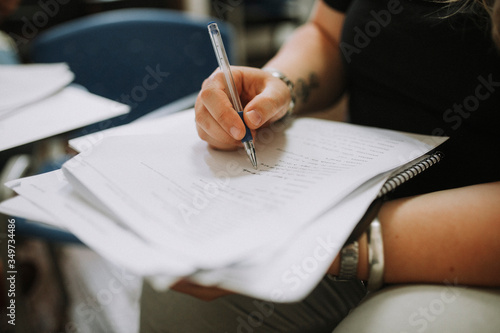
304,87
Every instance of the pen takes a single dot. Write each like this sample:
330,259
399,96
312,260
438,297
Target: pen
221,55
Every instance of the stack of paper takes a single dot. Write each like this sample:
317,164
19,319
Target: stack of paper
36,101
154,198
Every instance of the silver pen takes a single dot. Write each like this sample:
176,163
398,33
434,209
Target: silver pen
224,66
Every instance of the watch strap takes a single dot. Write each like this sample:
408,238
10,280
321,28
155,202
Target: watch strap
349,257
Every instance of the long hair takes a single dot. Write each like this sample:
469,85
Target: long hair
492,7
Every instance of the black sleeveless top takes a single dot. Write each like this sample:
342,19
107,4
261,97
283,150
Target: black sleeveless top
412,66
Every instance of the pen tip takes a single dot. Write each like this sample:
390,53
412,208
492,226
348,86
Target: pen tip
250,149
253,159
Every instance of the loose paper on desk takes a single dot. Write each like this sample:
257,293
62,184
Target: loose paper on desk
21,85
36,102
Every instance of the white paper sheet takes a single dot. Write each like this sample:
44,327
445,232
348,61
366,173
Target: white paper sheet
165,206
173,188
278,274
142,126
51,193
21,85
66,110
291,272
20,206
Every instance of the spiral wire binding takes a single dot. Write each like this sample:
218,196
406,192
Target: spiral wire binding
390,185
402,177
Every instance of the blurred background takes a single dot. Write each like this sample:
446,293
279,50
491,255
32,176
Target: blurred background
261,25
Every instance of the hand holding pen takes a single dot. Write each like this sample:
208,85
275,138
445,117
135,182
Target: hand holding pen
265,97
224,66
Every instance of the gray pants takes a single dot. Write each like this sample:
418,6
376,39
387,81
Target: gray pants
321,311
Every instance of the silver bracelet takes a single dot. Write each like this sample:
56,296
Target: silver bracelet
289,84
375,256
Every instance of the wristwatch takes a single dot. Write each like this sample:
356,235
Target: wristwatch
349,262
349,256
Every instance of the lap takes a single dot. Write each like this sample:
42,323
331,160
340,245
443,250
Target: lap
321,311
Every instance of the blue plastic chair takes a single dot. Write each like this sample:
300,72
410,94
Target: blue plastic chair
145,58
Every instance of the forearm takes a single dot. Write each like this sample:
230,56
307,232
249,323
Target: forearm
449,236
311,59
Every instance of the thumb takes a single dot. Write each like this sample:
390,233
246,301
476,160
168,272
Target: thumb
268,106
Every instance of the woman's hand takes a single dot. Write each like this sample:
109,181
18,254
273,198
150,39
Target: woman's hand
201,292
264,97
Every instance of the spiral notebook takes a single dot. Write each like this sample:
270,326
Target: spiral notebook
400,177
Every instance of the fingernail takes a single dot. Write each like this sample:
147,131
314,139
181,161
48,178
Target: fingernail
235,132
254,117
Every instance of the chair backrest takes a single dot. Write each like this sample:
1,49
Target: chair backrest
142,57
